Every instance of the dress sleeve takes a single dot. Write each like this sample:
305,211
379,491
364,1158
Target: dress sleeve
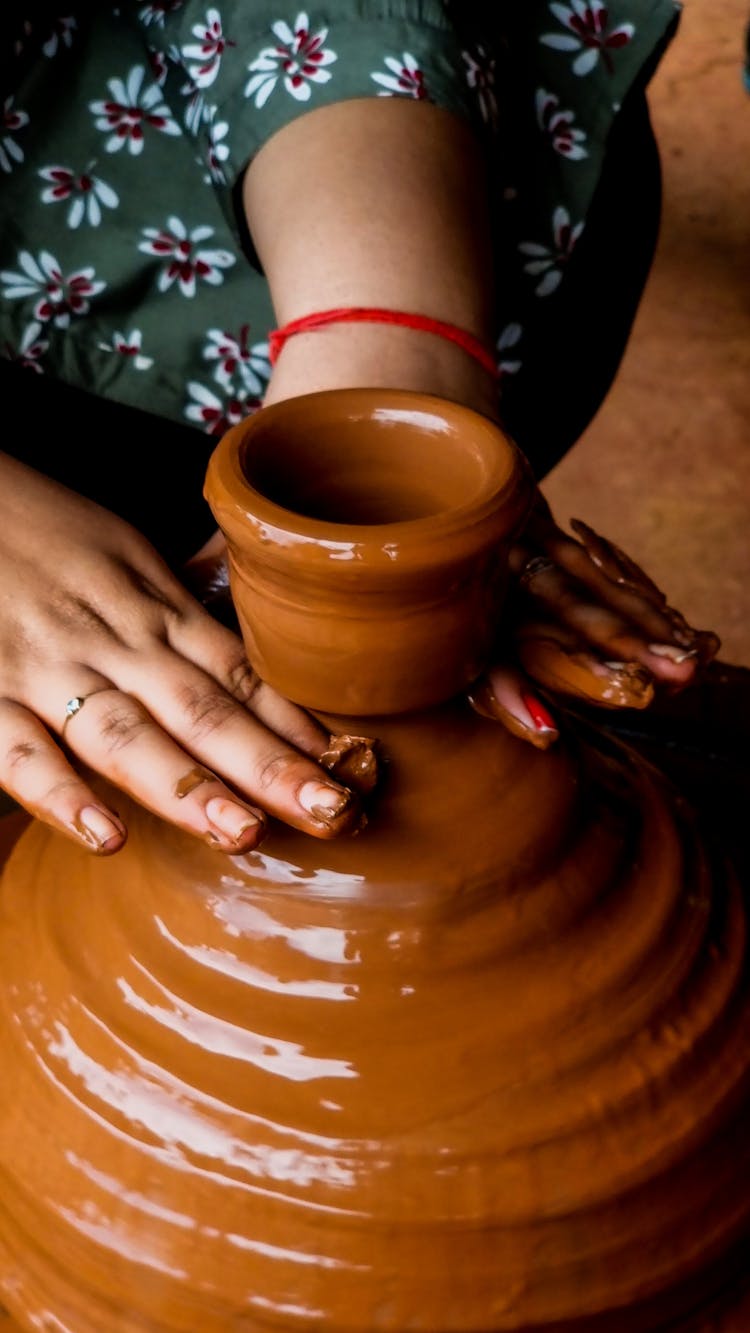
247,70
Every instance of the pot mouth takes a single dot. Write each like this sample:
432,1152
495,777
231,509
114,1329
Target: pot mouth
367,466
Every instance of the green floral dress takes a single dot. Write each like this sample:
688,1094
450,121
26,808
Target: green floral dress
123,267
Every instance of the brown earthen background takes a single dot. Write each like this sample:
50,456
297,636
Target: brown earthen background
665,467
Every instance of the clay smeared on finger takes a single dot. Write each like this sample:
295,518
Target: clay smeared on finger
355,761
571,669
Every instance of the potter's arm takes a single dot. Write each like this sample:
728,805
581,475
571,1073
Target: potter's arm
382,202
377,202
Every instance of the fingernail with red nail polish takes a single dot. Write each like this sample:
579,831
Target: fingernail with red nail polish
543,721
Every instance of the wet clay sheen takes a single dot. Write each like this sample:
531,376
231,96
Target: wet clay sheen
368,534
484,1067
557,667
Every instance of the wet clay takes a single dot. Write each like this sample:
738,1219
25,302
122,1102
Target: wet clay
557,667
482,1068
367,536
195,778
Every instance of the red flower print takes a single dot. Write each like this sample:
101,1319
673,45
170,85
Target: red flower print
298,59
588,22
30,349
406,78
130,110
236,357
566,139
59,297
186,263
548,262
87,192
206,53
216,417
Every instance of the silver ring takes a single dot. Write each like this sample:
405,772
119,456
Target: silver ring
535,565
75,705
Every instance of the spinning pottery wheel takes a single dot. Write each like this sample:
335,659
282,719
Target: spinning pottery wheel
484,1067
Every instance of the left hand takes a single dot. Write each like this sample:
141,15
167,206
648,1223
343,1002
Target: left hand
587,622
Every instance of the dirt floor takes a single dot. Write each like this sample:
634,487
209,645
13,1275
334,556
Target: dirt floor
665,467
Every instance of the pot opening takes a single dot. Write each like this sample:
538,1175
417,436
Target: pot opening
389,467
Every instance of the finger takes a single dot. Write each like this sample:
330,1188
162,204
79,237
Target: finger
221,654
505,695
353,760
36,774
605,629
559,662
621,584
573,562
615,564
198,718
115,735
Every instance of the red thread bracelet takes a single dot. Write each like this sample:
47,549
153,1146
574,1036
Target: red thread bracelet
373,315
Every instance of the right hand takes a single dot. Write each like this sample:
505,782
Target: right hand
173,713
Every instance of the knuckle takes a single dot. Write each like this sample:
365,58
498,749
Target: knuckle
122,724
207,710
243,681
22,752
273,766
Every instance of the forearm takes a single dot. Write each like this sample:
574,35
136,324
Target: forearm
379,202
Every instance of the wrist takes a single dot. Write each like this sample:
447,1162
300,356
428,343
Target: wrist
348,356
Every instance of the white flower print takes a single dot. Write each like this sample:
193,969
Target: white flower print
217,151
547,261
130,108
11,120
157,11
59,297
235,357
87,193
185,263
299,58
206,53
481,69
128,345
213,414
62,32
195,107
30,348
405,78
587,23
566,139
510,337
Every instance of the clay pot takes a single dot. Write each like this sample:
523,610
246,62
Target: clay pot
368,532
482,1068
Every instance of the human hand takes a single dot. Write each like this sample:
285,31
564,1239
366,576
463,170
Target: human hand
172,713
586,622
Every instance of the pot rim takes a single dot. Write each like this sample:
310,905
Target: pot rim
501,499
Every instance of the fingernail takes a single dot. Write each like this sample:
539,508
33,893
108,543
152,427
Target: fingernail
672,652
325,803
486,703
98,828
231,819
543,721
